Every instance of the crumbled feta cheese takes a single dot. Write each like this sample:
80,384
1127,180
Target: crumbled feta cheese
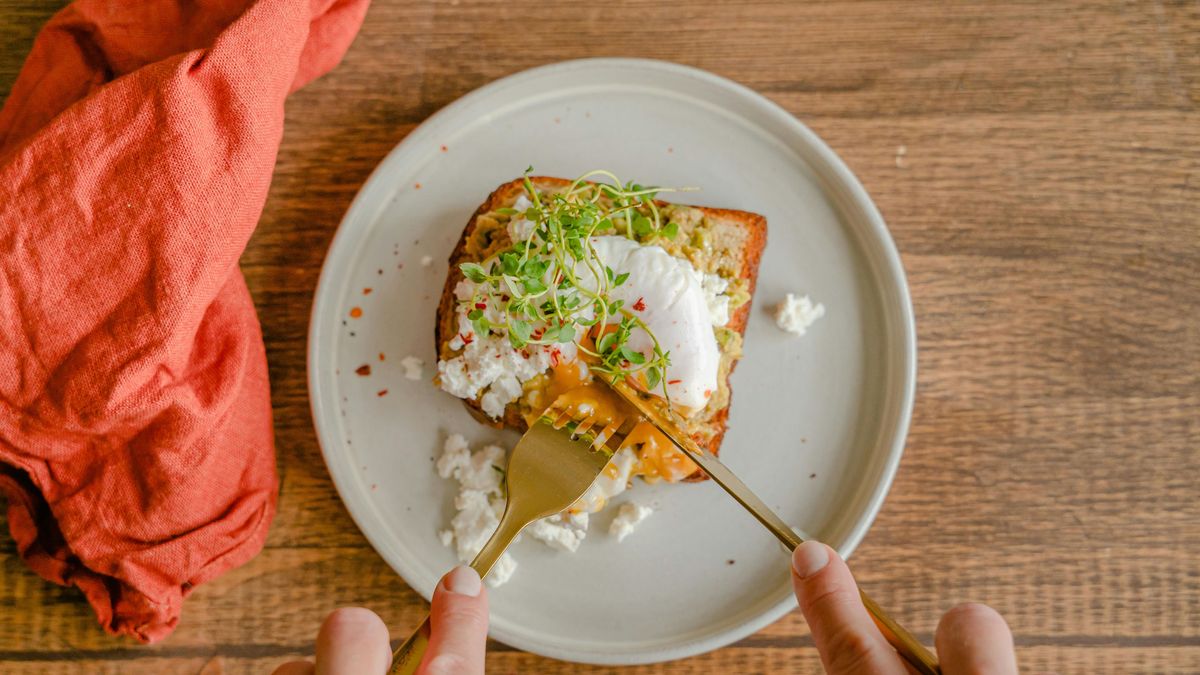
561,532
480,504
412,367
426,261
504,390
474,522
455,455
795,315
714,287
489,368
502,571
629,515
521,228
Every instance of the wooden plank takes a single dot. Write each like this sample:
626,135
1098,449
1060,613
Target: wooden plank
1046,209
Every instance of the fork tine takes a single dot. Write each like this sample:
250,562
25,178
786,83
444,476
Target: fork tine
584,421
585,425
608,432
559,416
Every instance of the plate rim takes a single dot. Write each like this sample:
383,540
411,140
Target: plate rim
891,277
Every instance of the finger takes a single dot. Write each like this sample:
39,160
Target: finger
295,668
846,638
353,641
973,639
458,625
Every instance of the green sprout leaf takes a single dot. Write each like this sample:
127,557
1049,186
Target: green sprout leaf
521,329
533,285
473,272
642,225
653,376
606,343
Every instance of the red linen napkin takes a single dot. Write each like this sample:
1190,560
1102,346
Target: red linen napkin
136,149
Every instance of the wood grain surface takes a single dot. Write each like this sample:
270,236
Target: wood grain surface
1047,208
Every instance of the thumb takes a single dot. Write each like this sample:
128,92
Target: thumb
458,625
846,637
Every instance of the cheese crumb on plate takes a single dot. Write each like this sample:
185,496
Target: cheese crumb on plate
628,516
412,367
796,314
480,504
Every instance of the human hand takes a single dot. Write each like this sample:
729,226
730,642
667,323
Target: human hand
971,639
354,640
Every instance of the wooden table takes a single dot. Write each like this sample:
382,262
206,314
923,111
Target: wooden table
1039,166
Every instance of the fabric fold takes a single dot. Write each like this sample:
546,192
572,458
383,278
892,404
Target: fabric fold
136,151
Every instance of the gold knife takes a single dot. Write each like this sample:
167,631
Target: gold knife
670,424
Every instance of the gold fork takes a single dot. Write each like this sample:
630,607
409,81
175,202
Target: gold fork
553,464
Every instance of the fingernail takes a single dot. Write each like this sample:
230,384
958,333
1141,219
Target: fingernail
464,581
809,558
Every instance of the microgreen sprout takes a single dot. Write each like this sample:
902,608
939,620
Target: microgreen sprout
553,287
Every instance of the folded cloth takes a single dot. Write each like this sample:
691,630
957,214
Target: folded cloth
136,149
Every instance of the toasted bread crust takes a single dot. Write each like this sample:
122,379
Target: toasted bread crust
445,327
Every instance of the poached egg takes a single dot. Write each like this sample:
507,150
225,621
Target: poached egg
667,294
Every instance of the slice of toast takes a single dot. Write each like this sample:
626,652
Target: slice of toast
717,241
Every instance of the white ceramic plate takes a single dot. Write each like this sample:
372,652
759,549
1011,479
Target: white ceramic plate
818,423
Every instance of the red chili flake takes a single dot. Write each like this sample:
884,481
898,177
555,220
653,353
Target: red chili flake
367,291
674,381
364,370
504,297
381,393
355,312
554,358
444,148
537,334
468,338
707,393
525,353
499,355
417,186
481,305
640,305
381,356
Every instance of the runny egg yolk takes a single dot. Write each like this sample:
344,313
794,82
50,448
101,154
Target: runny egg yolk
658,458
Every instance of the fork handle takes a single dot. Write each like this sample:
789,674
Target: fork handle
408,656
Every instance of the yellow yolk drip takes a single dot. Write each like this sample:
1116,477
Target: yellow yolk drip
658,458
